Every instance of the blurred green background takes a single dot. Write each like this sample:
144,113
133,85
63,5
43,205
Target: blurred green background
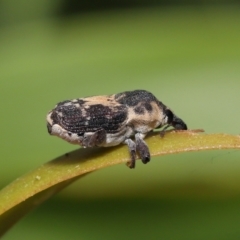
187,54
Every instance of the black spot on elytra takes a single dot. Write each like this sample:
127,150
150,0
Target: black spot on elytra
78,101
96,116
108,118
81,102
54,117
139,110
68,117
148,106
132,98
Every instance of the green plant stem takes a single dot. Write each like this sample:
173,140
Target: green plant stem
35,187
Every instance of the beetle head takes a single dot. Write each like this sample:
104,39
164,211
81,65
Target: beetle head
173,120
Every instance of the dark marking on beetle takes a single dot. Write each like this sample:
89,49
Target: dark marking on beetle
139,110
80,134
71,118
132,98
108,118
81,101
148,106
54,117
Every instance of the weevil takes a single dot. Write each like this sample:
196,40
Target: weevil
109,120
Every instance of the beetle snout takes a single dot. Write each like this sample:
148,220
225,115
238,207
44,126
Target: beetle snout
179,124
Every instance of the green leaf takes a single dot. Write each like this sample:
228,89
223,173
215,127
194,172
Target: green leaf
35,187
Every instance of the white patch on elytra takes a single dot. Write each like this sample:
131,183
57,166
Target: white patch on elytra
67,104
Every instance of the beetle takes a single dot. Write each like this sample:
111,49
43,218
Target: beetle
109,120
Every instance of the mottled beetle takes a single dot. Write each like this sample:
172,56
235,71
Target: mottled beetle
112,119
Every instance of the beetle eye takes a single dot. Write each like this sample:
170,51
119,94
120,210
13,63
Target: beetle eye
169,115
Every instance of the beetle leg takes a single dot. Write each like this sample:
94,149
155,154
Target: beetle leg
94,139
132,150
142,148
163,131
